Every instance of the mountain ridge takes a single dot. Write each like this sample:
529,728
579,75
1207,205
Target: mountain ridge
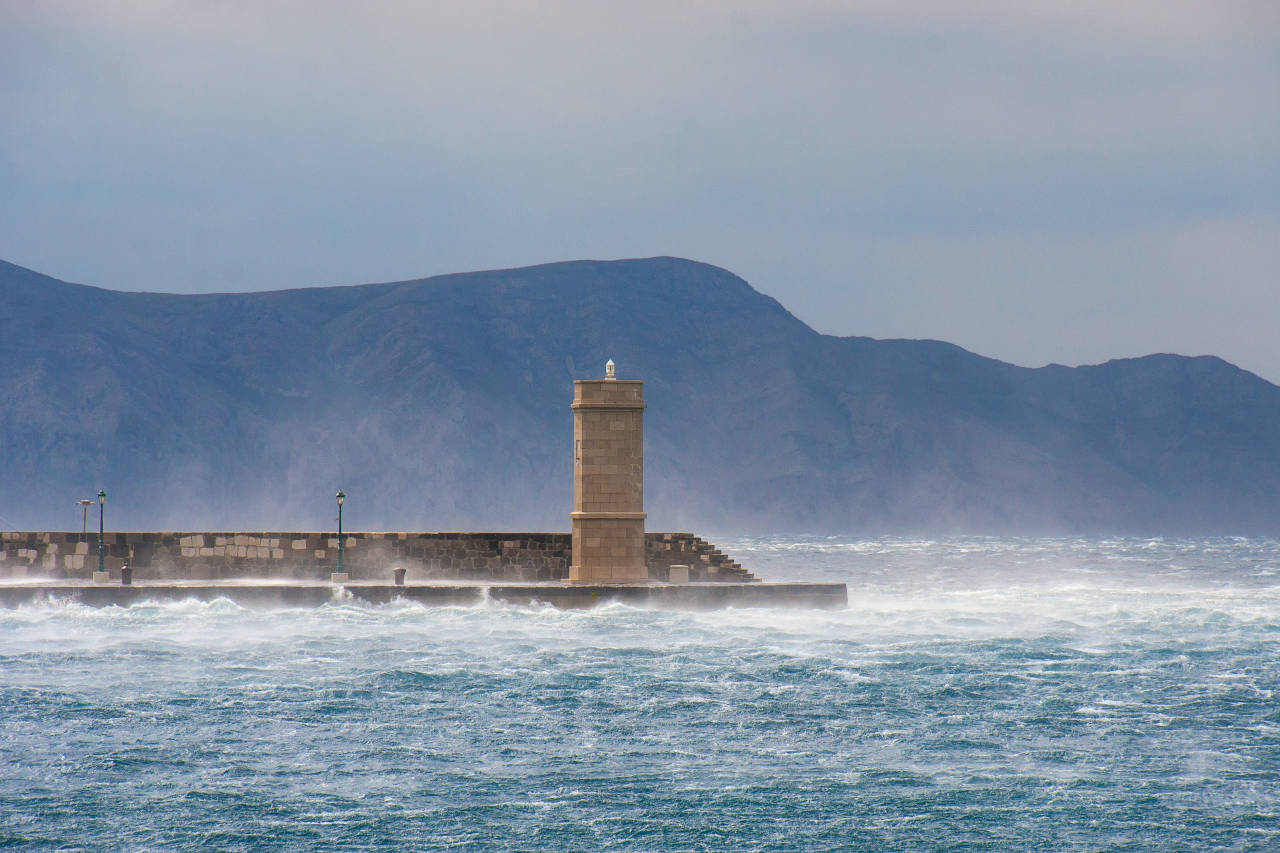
442,403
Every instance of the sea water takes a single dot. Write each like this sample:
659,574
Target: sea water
977,694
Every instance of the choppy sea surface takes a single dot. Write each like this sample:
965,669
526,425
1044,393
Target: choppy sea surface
977,694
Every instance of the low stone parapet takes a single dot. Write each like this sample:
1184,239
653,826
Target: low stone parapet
313,555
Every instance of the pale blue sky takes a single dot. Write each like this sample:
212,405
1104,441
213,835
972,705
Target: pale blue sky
1037,182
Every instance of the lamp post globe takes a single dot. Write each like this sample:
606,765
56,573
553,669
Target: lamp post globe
341,497
102,507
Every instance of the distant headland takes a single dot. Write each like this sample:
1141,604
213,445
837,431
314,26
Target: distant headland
428,399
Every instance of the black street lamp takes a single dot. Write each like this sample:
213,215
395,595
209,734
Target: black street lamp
341,497
102,508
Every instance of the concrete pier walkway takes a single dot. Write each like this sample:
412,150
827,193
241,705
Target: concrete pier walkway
249,593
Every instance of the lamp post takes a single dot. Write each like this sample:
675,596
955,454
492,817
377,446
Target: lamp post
84,521
102,508
341,497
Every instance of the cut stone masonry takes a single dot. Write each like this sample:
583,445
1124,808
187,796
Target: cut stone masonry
311,555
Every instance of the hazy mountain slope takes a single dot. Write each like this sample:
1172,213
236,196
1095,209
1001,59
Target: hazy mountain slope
443,403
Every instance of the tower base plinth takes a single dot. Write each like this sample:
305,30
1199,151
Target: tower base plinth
608,548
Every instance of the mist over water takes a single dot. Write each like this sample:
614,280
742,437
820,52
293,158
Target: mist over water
977,694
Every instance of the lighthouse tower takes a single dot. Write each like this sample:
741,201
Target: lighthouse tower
608,481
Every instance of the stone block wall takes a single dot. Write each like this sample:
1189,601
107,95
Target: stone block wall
313,555
608,481
608,446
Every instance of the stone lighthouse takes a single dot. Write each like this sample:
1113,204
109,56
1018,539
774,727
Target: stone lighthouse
608,480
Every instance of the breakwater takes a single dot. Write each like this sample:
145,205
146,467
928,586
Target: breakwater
685,596
294,555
